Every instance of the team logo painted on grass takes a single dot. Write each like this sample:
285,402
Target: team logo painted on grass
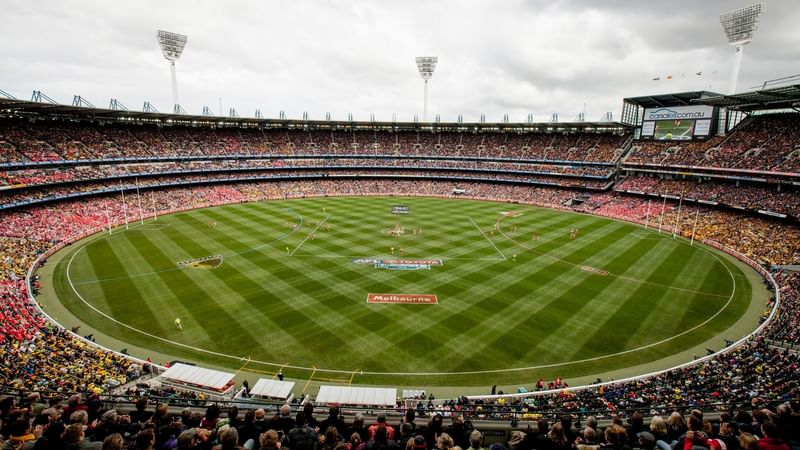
399,264
511,213
402,266
427,262
209,262
367,261
408,299
594,270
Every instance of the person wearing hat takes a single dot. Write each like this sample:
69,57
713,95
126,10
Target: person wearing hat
419,443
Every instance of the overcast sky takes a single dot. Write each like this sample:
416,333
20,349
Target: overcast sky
495,57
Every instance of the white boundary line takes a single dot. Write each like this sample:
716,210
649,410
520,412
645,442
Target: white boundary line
309,234
487,238
473,372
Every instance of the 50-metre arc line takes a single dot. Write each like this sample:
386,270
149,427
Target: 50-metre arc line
339,371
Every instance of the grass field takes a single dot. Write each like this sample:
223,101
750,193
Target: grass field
286,291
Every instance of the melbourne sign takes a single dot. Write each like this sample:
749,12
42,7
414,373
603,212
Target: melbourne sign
409,299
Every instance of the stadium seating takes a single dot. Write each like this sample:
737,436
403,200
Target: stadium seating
307,427
41,226
764,143
36,141
754,197
39,356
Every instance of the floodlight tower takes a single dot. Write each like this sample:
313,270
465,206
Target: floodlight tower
172,45
739,26
426,66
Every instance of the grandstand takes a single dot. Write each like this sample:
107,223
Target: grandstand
729,183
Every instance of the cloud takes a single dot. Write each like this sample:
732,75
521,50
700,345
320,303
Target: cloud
509,57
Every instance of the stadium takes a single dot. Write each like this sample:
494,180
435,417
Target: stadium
518,278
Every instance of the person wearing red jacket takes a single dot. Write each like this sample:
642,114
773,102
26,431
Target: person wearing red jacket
771,441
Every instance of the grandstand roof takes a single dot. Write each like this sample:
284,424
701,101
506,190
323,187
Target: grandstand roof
272,388
676,99
782,97
35,109
351,395
198,376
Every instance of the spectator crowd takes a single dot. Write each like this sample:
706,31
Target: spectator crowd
86,423
766,143
784,199
22,140
38,356
27,340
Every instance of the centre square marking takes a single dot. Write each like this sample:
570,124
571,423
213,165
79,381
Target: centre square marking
408,299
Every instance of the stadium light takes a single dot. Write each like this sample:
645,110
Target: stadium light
739,26
172,45
426,66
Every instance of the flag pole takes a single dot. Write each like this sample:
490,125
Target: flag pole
694,228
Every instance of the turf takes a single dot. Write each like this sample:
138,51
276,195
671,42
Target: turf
614,297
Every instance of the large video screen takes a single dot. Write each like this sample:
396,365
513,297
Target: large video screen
681,123
678,130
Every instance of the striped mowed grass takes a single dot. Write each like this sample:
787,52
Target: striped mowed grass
518,299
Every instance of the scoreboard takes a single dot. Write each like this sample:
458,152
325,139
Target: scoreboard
679,123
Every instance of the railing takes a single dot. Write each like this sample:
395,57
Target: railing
777,82
282,156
